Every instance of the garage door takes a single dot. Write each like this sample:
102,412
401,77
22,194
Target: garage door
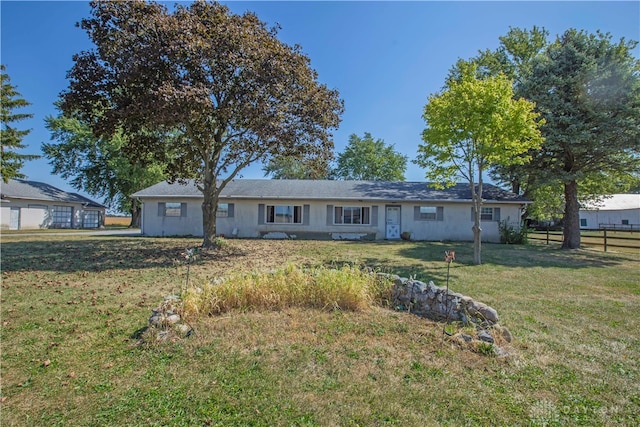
62,216
91,219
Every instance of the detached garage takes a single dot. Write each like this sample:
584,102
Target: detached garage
28,205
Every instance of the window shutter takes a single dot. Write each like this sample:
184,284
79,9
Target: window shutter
440,213
416,213
329,214
183,210
160,209
496,214
306,209
260,214
230,210
374,216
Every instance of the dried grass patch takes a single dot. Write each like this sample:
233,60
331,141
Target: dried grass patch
345,288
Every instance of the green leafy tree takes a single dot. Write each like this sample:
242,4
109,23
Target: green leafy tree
548,196
292,167
11,161
513,58
587,89
98,165
370,159
222,85
472,125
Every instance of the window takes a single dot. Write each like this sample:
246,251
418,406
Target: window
172,209
625,222
428,213
487,214
62,216
352,215
277,214
223,210
583,222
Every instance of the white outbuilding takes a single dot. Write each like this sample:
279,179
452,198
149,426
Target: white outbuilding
28,205
616,211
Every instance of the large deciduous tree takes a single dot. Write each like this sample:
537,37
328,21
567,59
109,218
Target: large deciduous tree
296,167
222,85
587,89
11,161
514,58
98,165
474,124
370,159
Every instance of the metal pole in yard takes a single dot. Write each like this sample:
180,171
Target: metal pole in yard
547,234
605,240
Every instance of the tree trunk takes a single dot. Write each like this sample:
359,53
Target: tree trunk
476,196
571,233
135,214
209,208
477,238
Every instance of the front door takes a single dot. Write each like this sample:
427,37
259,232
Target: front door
15,219
393,222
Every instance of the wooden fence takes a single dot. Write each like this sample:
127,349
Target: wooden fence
627,227
605,238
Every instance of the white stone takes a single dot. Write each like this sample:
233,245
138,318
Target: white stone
173,319
276,235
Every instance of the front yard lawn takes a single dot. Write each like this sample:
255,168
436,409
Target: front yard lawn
74,310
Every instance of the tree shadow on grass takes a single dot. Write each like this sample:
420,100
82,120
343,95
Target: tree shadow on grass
99,254
425,260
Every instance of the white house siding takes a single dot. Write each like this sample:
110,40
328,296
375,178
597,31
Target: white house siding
244,221
457,222
153,224
28,218
592,219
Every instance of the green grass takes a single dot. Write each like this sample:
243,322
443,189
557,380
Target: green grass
620,241
82,303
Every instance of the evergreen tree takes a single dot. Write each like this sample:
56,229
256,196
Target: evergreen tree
11,161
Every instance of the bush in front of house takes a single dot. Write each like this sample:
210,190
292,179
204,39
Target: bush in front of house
512,234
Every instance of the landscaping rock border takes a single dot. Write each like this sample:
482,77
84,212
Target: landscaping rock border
439,303
423,299
166,318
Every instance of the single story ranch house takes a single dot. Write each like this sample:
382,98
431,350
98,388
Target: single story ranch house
31,205
324,209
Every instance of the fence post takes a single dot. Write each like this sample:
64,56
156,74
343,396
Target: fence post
605,240
547,234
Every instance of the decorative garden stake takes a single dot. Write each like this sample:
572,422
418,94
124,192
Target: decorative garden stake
190,256
449,257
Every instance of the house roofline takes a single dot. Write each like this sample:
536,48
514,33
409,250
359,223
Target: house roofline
40,199
318,199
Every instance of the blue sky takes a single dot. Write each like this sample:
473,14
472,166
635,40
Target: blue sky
385,58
